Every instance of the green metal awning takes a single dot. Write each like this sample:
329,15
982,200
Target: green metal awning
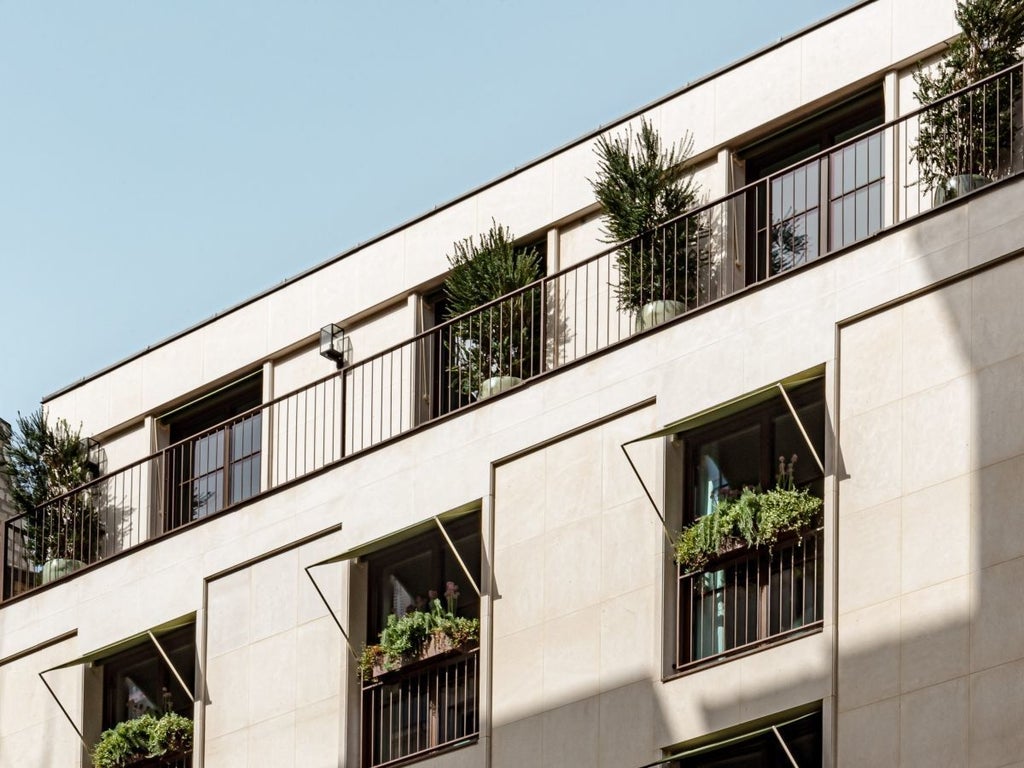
390,539
726,742
108,651
779,388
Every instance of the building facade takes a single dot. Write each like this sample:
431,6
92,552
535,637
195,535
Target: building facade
266,507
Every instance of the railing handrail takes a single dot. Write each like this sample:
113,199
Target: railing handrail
703,207
539,283
168,448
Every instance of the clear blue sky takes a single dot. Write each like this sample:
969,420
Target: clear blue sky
161,161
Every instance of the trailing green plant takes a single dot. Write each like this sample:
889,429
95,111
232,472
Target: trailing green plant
44,463
971,134
132,741
499,340
641,184
755,518
404,635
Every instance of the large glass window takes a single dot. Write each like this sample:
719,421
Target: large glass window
212,464
820,205
138,681
744,596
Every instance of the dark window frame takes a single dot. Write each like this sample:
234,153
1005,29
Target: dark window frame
742,580
812,214
432,705
180,646
205,473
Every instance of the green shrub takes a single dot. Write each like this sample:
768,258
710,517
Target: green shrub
754,518
133,740
407,634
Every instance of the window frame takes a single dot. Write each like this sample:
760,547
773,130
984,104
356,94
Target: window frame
204,435
437,692
115,668
764,564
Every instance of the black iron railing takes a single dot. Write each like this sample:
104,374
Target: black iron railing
834,199
415,712
748,598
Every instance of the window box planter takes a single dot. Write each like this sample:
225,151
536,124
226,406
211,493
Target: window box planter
437,646
146,742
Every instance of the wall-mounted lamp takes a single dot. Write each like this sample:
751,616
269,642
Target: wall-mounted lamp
94,456
334,345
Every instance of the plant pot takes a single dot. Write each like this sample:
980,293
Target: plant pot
434,646
958,186
657,312
58,568
496,384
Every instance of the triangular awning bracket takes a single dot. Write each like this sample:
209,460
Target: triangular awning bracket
110,650
713,414
391,538
327,604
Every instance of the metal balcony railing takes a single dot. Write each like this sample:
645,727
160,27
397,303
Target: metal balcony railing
410,713
838,197
749,598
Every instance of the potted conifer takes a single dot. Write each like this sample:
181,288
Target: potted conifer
967,141
63,530
642,184
493,349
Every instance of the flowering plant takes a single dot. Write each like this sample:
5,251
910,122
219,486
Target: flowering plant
408,635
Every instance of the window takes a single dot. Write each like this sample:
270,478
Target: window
821,205
427,704
745,596
214,458
138,681
762,748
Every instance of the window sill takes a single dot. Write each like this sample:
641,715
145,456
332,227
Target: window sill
743,651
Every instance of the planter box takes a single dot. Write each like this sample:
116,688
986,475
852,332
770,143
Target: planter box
175,759
436,646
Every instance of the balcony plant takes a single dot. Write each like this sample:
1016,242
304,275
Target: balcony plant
420,635
45,464
642,184
965,142
492,349
144,741
753,519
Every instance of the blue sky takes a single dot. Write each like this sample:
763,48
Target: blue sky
161,161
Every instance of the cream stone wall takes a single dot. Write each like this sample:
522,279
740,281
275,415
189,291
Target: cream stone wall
931,643
32,729
568,508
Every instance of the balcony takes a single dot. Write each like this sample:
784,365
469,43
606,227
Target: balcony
787,220
749,598
413,712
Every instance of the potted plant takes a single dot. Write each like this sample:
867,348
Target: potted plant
144,741
642,184
420,635
753,519
490,351
965,142
44,463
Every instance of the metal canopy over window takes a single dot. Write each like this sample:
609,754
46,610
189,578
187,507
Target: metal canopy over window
106,652
395,537
732,740
736,405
